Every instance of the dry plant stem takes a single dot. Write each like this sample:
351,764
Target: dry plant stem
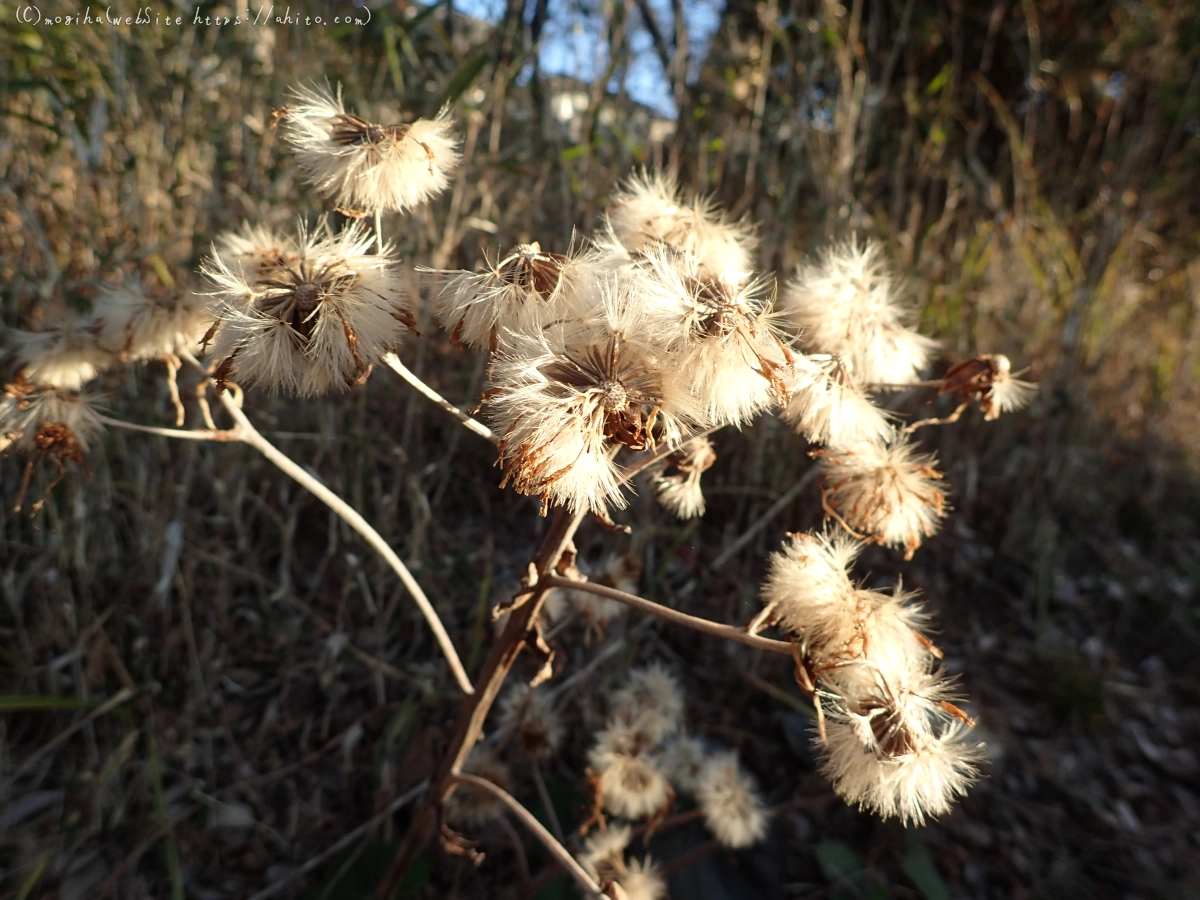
728,632
663,452
475,707
250,435
474,425
557,850
230,434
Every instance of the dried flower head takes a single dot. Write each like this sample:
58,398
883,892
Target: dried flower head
733,355
530,721
138,324
37,418
649,210
899,752
808,589
321,319
564,401
521,293
990,377
733,810
850,304
366,166
643,880
603,854
471,806
67,357
650,702
677,483
827,405
626,775
681,762
257,251
887,492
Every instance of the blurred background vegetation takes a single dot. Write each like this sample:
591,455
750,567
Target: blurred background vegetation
209,687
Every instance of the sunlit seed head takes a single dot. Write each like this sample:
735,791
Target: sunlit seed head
603,855
627,776
136,323
887,492
650,702
256,252
809,592
828,406
42,419
677,482
66,357
363,165
733,809
643,880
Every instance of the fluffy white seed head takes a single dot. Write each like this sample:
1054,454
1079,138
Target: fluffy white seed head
256,251
886,491
561,402
849,304
733,810
643,880
809,591
603,855
733,355
677,483
37,418
681,762
471,806
827,405
520,293
649,210
628,778
320,320
530,721
138,324
363,165
66,357
899,753
650,702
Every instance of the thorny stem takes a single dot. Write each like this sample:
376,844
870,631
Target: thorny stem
475,707
557,850
250,435
407,374
728,632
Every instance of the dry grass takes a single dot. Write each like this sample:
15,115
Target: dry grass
278,685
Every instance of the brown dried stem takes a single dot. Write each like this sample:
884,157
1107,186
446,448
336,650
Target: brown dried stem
728,632
407,374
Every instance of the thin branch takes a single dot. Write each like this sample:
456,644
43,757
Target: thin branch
340,845
936,383
729,632
187,434
474,425
776,508
251,436
557,850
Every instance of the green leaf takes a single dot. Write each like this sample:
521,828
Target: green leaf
35,702
466,74
921,871
939,80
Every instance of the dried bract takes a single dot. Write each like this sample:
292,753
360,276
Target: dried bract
366,166
989,376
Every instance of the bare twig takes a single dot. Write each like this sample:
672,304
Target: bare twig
474,425
186,434
644,462
557,850
729,632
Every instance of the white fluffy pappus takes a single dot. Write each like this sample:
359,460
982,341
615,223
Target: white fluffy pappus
650,210
827,406
848,303
626,774
362,165
66,357
808,590
519,293
887,492
899,754
677,481
562,402
733,355
681,762
733,810
643,880
320,320
530,721
138,324
603,858
650,702
256,251
44,419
